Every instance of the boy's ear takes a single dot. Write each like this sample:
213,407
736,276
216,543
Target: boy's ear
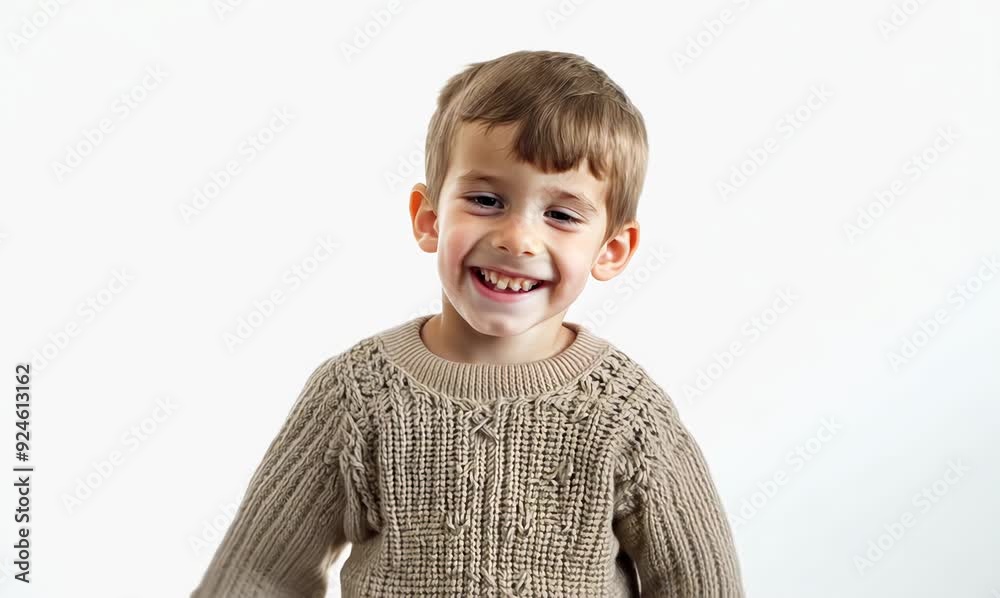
616,252
425,226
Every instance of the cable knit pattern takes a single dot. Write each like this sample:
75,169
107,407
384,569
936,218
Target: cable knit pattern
568,476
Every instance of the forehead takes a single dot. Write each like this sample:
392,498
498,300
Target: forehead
475,150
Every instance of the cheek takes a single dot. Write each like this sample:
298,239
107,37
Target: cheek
575,264
574,274
454,248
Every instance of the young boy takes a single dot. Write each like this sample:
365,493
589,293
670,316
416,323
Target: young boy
494,449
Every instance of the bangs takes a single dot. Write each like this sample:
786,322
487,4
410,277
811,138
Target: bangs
558,137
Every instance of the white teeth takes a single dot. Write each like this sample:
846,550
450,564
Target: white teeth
501,281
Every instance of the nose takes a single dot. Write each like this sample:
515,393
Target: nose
516,236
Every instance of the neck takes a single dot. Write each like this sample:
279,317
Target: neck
449,336
405,347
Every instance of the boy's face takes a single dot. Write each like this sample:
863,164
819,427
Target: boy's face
497,213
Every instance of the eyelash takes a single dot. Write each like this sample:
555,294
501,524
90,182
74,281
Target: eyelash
472,199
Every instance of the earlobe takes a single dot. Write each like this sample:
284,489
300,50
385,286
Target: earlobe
616,253
423,219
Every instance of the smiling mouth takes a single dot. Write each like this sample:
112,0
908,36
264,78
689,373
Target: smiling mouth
478,274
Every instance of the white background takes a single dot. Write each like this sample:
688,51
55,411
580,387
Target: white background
341,170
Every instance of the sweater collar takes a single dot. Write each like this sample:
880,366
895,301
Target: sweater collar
407,350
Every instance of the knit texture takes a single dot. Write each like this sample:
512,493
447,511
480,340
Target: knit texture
568,476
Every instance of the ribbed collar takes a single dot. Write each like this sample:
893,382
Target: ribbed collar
406,349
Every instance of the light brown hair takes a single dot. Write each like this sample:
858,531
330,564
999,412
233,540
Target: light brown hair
567,110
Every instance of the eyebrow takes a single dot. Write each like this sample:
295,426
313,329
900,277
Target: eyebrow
581,199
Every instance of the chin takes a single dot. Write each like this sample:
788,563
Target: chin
500,326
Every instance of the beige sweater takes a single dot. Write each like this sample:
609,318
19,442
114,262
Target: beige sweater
548,478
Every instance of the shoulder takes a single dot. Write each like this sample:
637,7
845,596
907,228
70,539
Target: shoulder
363,353
648,430
641,386
370,351
644,403
355,372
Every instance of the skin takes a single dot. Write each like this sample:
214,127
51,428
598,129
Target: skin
518,222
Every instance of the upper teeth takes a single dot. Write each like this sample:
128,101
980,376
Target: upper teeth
502,281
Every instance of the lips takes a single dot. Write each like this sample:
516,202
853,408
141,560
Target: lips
487,291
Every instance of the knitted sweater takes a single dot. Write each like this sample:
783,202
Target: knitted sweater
567,476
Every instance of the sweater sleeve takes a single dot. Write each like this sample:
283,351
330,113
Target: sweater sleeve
289,528
668,517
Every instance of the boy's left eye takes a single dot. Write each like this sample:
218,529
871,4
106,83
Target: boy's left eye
569,219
